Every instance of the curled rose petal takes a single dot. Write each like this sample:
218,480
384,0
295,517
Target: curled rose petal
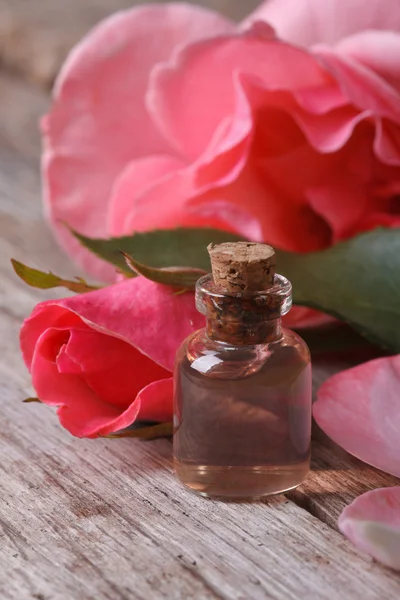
360,410
363,87
138,177
377,50
372,523
155,401
175,97
80,410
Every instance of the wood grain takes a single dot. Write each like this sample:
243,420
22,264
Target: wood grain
106,519
35,35
336,480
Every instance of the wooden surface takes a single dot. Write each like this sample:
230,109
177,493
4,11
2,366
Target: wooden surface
106,520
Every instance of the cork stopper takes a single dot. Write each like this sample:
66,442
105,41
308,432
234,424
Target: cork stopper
239,267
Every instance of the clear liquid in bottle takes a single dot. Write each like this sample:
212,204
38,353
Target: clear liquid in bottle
242,416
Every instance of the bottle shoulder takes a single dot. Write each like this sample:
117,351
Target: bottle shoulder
207,355
292,339
199,343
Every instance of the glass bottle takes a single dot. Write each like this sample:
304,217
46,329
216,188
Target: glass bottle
242,401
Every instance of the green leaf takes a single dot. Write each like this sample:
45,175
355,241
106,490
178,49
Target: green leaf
357,281
144,433
46,281
29,400
161,248
180,277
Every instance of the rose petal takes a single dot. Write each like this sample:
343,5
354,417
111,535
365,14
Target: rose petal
362,86
251,205
378,219
156,401
43,316
134,310
387,142
91,420
322,114
80,411
307,22
228,151
99,122
218,208
372,523
341,202
360,410
113,369
377,50
135,180
149,179
302,317
66,364
330,132
182,208
176,95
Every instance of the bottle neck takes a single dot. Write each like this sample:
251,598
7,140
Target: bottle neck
244,319
240,333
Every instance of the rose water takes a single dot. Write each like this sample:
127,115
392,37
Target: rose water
242,408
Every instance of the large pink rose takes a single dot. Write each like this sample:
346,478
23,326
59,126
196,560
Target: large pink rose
105,358
169,115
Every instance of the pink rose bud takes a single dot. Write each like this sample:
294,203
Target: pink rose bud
105,358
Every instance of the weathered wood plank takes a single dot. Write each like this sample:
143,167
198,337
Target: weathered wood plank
113,523
336,480
106,519
35,35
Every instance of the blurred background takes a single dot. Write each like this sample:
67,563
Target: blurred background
35,35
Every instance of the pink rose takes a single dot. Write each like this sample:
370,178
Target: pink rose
169,115
105,358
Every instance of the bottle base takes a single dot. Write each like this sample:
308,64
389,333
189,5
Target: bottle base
240,483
